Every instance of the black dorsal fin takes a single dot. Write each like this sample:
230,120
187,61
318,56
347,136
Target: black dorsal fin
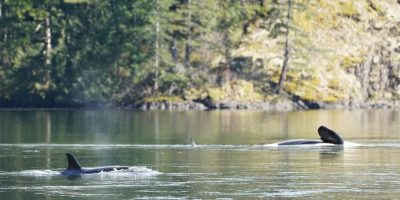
329,136
72,162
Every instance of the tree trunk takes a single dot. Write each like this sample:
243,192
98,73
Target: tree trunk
48,40
173,50
189,36
157,46
286,52
1,16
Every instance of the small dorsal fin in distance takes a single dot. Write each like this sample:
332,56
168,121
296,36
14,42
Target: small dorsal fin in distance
329,136
72,162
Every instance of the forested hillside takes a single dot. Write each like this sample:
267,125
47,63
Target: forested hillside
230,53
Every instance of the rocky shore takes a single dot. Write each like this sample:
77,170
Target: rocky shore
276,105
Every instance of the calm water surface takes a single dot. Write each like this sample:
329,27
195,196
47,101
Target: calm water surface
229,161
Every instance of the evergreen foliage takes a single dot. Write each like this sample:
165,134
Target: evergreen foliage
85,52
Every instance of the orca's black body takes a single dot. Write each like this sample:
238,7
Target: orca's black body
327,135
74,169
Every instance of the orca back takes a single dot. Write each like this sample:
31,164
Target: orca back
329,136
299,142
72,162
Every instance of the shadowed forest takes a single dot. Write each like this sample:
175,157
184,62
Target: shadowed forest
146,54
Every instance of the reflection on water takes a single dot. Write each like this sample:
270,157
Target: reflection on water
214,127
230,159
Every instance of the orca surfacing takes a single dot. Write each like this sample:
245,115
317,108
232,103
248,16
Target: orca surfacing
327,136
74,169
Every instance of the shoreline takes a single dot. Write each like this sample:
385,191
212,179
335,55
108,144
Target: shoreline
283,105
275,105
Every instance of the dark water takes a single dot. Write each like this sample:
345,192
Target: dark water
230,160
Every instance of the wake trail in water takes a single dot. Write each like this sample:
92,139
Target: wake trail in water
129,173
34,173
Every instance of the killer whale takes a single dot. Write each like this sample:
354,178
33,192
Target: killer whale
327,136
75,169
